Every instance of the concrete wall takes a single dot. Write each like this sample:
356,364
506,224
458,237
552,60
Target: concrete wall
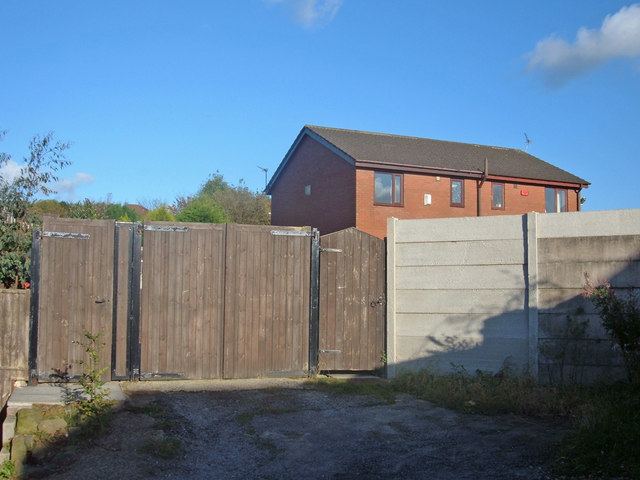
489,292
605,245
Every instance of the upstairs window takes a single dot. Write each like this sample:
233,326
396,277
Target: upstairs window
387,189
497,196
555,200
457,192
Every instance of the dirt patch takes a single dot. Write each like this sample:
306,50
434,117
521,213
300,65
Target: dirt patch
305,433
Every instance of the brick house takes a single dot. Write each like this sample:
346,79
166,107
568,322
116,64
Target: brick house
333,179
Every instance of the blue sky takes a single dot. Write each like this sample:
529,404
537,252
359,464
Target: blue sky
156,95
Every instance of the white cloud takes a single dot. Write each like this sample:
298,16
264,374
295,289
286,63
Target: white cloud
311,13
617,37
10,171
66,187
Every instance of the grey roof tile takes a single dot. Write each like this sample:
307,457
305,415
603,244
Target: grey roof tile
425,152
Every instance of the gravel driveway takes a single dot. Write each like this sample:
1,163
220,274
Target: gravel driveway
275,430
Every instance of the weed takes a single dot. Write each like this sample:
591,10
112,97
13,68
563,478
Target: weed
7,470
166,448
93,409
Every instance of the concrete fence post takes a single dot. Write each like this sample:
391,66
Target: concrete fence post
391,297
532,291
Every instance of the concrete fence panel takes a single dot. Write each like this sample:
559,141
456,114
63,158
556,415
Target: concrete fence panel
493,292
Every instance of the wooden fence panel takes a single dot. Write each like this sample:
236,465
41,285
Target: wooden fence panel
352,301
14,332
76,293
267,303
182,302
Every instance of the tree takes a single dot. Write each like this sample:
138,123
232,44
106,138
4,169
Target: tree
161,213
202,209
121,212
51,207
240,204
46,158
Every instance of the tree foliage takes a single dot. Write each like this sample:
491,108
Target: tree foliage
39,172
239,204
202,209
161,213
620,315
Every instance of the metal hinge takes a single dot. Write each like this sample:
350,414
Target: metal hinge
79,236
330,250
291,233
165,228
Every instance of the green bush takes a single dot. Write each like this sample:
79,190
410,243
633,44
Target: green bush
621,318
160,214
202,210
121,212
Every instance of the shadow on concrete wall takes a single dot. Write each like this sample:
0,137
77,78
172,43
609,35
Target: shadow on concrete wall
573,346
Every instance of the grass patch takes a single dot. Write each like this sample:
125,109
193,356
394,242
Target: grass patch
605,420
606,437
490,394
381,389
166,448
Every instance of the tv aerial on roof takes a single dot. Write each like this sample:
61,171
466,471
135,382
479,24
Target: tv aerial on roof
527,141
265,170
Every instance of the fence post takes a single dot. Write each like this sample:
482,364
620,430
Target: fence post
391,297
532,291
133,306
314,312
34,275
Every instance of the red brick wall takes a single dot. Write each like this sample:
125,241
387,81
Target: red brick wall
331,205
373,218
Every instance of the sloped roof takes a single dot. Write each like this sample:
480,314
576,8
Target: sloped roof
425,152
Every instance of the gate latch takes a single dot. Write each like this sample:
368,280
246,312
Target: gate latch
378,302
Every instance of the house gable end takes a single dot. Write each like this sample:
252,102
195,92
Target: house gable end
305,132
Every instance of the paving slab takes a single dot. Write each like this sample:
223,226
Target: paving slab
56,394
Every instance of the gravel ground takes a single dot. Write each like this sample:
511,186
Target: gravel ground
276,430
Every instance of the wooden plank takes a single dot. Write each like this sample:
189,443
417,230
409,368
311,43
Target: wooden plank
125,233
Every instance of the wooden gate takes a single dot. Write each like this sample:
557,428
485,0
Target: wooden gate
182,302
74,295
223,301
266,329
352,301
202,301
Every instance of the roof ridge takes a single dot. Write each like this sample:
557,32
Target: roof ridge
414,137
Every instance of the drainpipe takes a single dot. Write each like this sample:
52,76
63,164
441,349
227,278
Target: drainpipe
479,183
578,198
